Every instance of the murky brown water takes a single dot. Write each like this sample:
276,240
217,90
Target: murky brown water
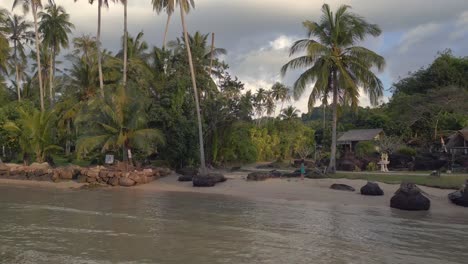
126,226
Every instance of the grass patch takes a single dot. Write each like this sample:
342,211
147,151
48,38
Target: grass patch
443,182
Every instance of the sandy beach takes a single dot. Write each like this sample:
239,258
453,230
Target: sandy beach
316,190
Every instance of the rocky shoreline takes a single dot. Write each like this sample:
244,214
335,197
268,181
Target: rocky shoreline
104,175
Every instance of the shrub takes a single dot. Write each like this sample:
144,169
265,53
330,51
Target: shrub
407,151
365,149
371,166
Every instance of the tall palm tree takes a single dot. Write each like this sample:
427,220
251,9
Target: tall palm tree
55,26
335,64
185,6
125,44
259,102
35,5
169,7
19,34
280,93
98,41
4,46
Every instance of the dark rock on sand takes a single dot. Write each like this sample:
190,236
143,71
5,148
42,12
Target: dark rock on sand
460,197
258,176
185,178
342,187
208,180
371,188
409,197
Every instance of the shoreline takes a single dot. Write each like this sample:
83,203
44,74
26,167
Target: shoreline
290,190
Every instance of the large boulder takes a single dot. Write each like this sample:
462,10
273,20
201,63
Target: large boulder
460,197
208,180
342,187
371,188
126,182
258,176
43,166
409,197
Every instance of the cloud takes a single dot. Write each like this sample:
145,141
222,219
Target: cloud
461,27
417,35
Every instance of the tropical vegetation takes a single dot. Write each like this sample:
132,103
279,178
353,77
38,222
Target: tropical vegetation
180,105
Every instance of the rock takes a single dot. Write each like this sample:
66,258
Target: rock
208,180
185,178
275,174
163,172
91,179
409,197
187,171
314,173
372,188
66,173
44,166
342,187
236,168
460,197
81,178
258,176
126,182
292,174
113,181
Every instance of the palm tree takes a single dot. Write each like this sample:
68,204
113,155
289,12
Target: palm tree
259,103
335,64
55,26
35,5
169,6
33,133
289,113
280,92
19,34
185,6
4,46
98,41
117,122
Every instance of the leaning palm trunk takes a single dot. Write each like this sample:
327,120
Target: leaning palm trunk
125,46
38,55
332,165
166,30
212,52
101,80
195,93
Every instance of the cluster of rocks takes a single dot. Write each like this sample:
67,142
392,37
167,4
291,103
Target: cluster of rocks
200,180
115,177
313,173
94,175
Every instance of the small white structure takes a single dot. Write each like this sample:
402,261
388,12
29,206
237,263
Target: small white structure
384,162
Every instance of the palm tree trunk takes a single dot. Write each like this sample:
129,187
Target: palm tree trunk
324,116
101,80
332,165
51,79
125,45
195,93
212,51
167,29
18,88
68,143
38,55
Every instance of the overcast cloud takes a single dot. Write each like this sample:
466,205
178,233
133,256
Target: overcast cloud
258,33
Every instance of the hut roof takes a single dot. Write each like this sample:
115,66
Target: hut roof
360,135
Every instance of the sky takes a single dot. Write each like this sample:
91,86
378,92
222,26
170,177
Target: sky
258,33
